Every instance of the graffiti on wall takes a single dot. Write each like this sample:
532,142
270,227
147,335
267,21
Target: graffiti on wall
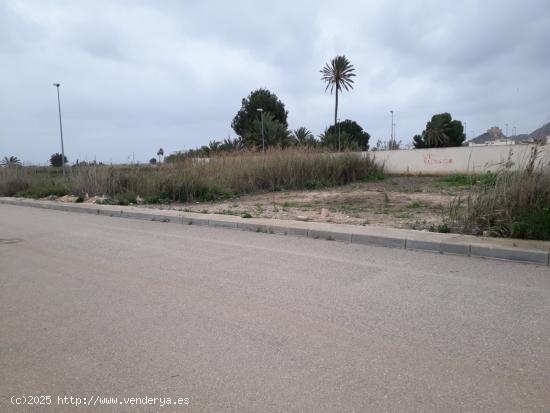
430,159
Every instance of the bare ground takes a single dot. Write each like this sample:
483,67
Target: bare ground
399,202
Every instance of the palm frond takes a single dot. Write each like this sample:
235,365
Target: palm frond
338,74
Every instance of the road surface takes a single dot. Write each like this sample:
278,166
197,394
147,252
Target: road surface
96,307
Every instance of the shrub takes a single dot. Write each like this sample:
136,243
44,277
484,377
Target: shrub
14,186
125,198
487,179
511,203
533,224
37,192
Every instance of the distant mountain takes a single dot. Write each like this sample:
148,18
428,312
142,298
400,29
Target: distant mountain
495,134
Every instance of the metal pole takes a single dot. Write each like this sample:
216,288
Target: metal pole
391,130
339,147
262,120
60,129
263,138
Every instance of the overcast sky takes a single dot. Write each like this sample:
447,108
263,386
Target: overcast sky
139,75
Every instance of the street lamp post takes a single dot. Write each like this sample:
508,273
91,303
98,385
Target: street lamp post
391,130
339,135
60,129
262,120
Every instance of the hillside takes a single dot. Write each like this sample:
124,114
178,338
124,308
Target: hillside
541,132
495,133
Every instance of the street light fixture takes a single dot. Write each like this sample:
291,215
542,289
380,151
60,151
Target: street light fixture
262,120
60,129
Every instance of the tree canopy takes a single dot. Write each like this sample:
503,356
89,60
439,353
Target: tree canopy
303,137
441,131
352,136
244,121
10,161
275,133
57,160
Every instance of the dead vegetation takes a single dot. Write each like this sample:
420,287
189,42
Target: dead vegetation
401,202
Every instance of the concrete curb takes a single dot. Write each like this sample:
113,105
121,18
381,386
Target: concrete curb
413,240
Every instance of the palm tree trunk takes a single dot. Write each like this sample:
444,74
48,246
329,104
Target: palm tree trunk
336,111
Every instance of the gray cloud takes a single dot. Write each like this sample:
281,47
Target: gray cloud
137,75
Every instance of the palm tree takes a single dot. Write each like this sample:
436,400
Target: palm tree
338,74
276,133
435,137
160,153
303,137
10,161
435,134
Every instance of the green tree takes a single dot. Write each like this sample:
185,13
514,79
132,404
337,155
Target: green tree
418,142
303,137
57,160
441,131
231,145
352,136
10,161
244,120
276,133
338,75
153,161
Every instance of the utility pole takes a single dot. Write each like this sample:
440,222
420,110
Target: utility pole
60,129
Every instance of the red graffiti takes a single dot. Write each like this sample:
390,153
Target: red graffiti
430,160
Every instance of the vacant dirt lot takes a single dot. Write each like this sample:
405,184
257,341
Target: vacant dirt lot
401,202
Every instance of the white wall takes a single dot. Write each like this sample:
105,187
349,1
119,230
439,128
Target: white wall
465,160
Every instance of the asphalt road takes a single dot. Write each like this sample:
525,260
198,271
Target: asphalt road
92,306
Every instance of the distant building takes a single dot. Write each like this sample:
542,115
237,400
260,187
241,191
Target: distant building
493,137
497,142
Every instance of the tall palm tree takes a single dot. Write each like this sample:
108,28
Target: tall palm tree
10,161
338,75
160,153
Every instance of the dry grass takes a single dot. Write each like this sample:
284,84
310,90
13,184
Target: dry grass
195,180
516,204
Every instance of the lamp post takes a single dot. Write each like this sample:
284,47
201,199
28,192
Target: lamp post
339,135
60,129
262,120
391,130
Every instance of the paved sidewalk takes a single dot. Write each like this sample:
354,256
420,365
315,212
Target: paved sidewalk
534,252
